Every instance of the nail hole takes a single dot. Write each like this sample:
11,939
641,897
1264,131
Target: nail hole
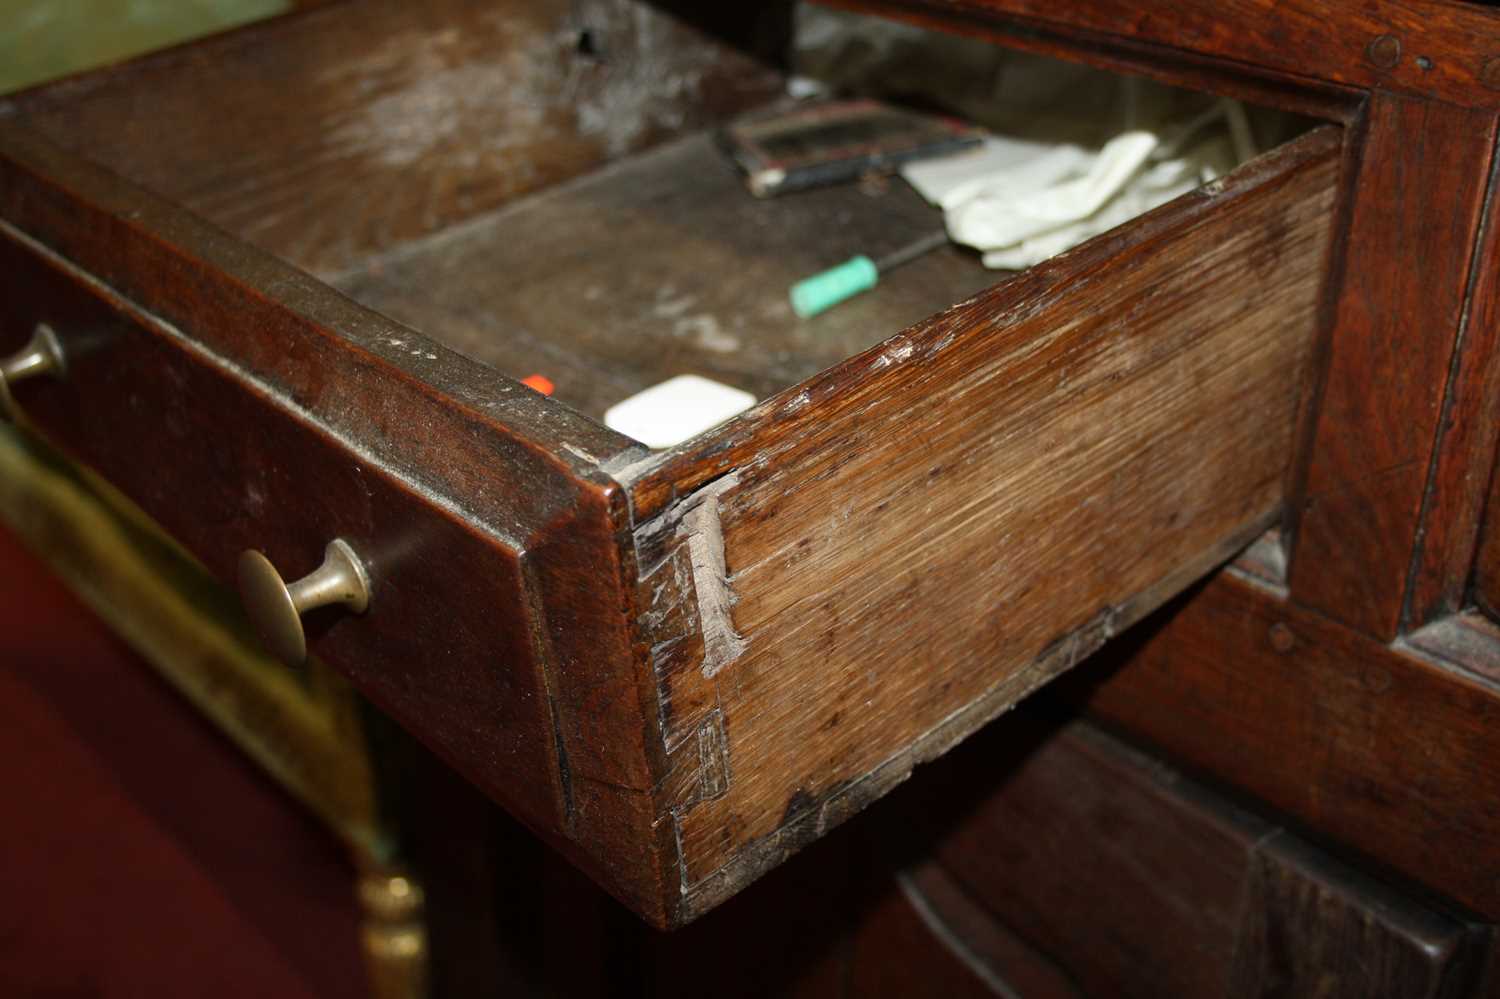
1424,62
589,45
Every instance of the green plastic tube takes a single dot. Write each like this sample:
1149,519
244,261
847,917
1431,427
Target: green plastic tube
820,292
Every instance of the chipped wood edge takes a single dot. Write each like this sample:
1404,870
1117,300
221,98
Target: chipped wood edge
722,644
1066,651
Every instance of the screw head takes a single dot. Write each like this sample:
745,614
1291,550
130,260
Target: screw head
1384,51
1282,639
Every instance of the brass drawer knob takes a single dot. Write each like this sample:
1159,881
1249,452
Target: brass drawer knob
275,607
42,355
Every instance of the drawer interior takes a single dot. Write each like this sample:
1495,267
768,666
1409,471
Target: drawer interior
541,189
663,264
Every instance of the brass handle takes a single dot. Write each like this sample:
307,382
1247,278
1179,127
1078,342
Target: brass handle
42,355
276,607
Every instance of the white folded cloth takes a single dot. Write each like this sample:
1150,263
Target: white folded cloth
1021,201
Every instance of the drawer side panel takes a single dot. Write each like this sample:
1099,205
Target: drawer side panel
914,541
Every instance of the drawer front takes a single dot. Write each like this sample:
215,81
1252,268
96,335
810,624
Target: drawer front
244,405
225,466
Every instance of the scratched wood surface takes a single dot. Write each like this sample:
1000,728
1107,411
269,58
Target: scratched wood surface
661,265
392,120
857,574
897,550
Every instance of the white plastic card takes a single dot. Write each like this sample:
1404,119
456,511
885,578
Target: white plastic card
676,410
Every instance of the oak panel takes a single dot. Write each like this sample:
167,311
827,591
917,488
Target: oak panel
1382,749
1418,196
1144,883
958,495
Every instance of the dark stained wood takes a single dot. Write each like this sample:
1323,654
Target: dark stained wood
680,668
837,920
517,490
1376,748
141,853
1128,876
442,111
1489,986
1314,926
660,265
480,872
1468,643
791,939
306,342
505,458
1465,448
1486,585
844,590
1417,197
524,689
1141,882
1314,40
926,936
1126,55
227,490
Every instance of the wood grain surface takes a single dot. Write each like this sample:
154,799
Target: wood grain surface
1486,582
229,488
1385,750
1127,55
662,265
1126,874
1311,919
261,350
1465,446
932,937
708,657
1418,196
1138,881
1438,48
955,497
392,120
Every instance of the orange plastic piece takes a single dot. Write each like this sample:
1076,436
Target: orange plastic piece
540,383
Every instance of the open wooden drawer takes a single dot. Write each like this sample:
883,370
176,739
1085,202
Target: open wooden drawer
678,666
